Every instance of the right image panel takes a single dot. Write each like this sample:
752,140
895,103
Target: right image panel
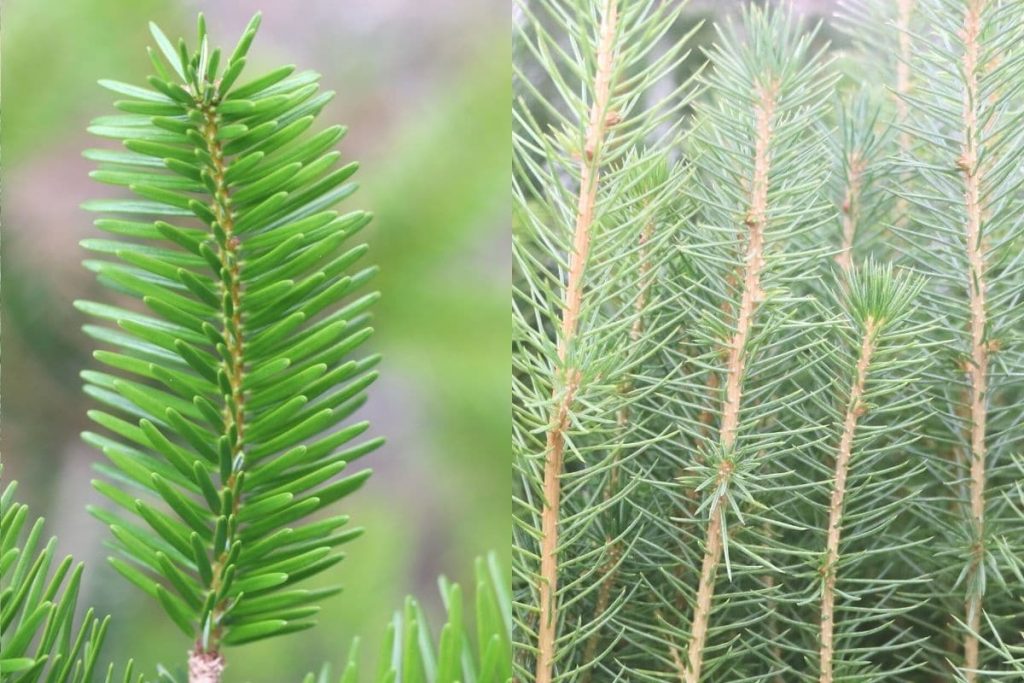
766,361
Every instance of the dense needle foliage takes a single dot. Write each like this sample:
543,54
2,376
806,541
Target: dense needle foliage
766,364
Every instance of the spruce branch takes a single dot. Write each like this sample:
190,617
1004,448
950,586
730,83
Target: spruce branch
877,303
565,390
764,109
881,33
595,196
962,123
842,466
769,214
977,370
851,208
769,473
861,143
623,419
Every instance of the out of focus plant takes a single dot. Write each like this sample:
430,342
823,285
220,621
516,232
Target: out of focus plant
38,633
461,652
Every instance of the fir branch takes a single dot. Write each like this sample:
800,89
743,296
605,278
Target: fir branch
206,664
224,423
477,649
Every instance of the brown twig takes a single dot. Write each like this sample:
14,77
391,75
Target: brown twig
565,390
854,410
977,370
757,218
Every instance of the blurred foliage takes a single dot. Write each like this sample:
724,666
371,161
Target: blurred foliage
476,650
440,288
436,175
80,32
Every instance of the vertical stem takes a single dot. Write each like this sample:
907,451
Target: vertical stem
854,409
206,662
564,391
705,593
757,219
977,370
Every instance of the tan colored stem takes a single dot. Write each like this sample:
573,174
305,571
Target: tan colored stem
565,391
851,209
854,410
757,218
977,371
705,593
756,221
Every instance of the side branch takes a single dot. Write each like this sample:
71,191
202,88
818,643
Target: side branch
565,389
903,11
854,410
622,422
850,209
756,221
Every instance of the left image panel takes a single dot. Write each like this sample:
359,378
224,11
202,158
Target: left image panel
244,380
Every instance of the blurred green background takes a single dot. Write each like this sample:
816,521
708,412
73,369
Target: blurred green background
424,88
